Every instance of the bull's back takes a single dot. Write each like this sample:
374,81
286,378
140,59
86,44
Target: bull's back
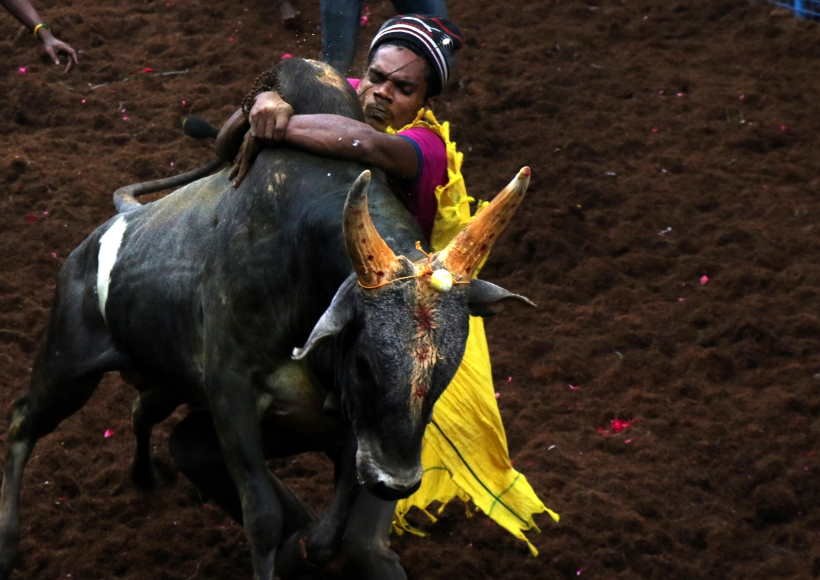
156,257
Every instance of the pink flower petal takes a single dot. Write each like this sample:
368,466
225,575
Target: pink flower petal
108,433
703,280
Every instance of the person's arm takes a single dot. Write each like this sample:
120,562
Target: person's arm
23,11
346,138
271,118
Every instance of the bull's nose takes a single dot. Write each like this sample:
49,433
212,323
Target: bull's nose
393,492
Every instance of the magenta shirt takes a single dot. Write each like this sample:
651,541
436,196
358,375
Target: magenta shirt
419,193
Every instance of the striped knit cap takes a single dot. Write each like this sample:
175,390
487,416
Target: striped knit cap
435,39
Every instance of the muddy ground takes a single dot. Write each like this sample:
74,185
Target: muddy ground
664,397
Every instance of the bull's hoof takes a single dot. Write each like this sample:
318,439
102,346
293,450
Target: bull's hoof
293,560
366,561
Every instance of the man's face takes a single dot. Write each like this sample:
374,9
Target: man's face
393,88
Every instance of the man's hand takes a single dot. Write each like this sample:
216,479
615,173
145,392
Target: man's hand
54,47
269,116
247,153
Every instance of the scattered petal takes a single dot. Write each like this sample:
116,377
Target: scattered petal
108,433
54,255
364,19
147,69
616,425
703,280
83,101
22,70
509,380
574,387
497,395
285,56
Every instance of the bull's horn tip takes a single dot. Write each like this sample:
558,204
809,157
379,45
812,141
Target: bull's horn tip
525,171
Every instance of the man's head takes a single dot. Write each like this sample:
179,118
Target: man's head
410,60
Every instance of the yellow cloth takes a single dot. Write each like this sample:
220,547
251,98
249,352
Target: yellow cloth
465,454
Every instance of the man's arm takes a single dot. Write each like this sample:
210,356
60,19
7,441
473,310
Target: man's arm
346,138
23,11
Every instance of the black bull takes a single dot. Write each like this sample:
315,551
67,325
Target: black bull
199,299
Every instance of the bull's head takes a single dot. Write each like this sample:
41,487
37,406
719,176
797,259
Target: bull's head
404,325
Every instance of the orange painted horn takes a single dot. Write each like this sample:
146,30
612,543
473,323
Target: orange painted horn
372,258
468,250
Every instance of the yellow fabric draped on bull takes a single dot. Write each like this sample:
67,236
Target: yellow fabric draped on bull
465,454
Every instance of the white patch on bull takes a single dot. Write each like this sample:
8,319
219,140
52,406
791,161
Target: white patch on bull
110,243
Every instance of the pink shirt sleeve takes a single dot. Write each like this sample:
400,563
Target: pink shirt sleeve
432,172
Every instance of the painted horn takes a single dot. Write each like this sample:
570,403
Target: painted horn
372,258
468,250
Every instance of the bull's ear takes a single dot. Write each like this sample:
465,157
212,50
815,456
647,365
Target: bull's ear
334,319
483,294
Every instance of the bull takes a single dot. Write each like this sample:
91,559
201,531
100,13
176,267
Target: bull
199,297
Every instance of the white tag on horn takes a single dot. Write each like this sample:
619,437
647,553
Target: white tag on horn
441,280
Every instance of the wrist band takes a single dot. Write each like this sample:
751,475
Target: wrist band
39,27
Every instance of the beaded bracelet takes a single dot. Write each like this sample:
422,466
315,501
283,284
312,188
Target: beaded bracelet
39,27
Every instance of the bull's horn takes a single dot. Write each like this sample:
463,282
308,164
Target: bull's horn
372,258
468,250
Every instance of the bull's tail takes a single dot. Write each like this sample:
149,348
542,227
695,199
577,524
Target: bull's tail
125,198
228,140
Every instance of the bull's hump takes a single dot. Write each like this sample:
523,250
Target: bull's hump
110,243
327,75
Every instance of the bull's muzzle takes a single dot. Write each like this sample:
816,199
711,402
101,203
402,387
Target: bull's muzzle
384,479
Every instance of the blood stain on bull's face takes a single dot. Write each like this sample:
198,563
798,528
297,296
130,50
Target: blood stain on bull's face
407,351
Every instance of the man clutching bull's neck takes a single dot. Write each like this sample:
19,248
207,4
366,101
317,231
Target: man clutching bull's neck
410,61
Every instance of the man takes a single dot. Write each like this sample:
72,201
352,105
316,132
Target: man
410,61
23,11
341,22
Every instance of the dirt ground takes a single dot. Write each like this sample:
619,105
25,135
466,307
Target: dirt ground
665,395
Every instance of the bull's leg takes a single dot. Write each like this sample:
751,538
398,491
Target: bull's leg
150,407
233,409
196,450
312,547
59,388
76,352
366,543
